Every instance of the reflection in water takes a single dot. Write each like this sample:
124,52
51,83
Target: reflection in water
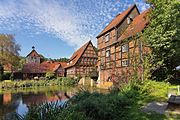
20,101
8,104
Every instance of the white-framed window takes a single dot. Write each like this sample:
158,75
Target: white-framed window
107,37
125,63
128,20
108,53
125,47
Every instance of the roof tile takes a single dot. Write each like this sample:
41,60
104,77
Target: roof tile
116,21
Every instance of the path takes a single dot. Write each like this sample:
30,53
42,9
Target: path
158,107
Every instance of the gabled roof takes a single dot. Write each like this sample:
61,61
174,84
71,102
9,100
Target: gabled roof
33,68
137,25
44,67
33,53
117,20
77,55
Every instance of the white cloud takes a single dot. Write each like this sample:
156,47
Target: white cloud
73,21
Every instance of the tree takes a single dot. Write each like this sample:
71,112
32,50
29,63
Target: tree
9,50
61,59
163,37
22,61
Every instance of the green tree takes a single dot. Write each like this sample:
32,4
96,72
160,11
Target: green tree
22,61
9,50
163,37
61,59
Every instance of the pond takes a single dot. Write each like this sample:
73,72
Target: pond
19,100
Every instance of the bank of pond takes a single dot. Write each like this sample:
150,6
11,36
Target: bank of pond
62,81
58,102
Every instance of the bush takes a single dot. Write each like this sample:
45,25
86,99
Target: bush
67,81
47,111
1,72
6,76
50,75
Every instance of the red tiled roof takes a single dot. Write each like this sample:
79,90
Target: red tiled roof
76,56
63,64
43,67
33,68
137,25
119,18
33,53
8,67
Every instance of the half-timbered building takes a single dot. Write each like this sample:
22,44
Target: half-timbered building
83,61
121,47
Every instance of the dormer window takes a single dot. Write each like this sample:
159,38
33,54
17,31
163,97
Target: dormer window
107,37
128,20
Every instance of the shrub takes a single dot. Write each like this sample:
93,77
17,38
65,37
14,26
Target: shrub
6,76
46,111
98,106
68,81
1,72
50,75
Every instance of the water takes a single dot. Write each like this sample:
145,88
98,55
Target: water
19,100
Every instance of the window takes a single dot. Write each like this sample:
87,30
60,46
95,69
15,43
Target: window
107,37
125,48
125,63
108,53
128,20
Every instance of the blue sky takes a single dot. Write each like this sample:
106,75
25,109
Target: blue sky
58,27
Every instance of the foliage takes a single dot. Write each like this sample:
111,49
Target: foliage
163,37
9,50
6,76
21,63
1,72
62,60
56,60
35,83
47,111
116,105
68,81
50,75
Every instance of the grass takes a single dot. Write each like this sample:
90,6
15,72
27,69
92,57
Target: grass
6,84
36,89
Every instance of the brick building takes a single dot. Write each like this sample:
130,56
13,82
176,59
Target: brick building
83,61
120,45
